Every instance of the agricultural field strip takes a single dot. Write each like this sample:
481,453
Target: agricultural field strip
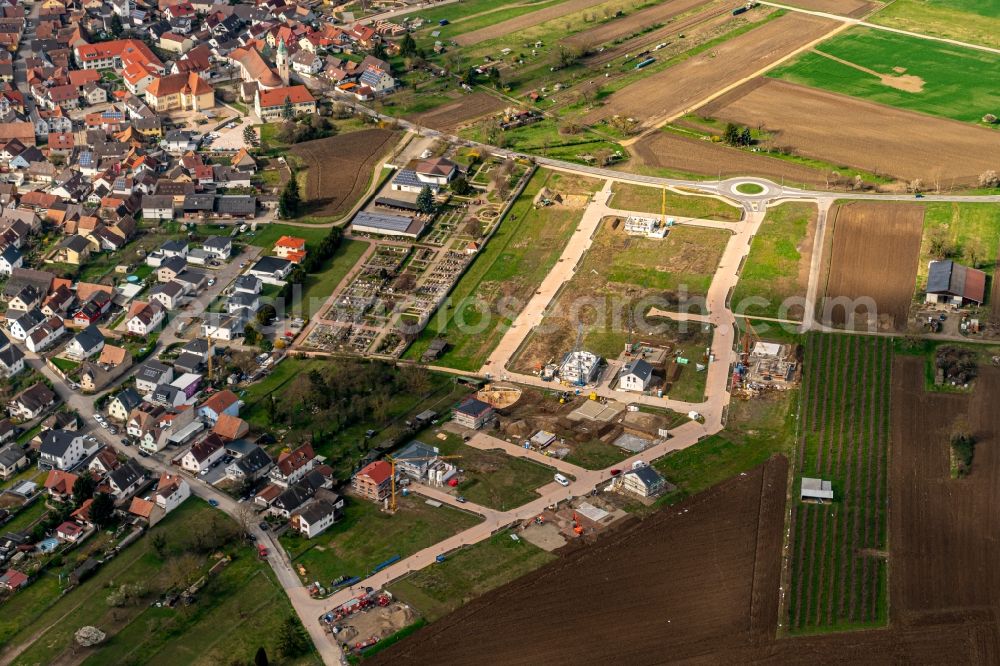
849,446
853,21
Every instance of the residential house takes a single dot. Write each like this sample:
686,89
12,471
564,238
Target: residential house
203,454
168,294
23,323
230,428
10,258
46,334
250,466
157,207
11,361
222,402
12,460
635,375
433,173
293,465
242,301
272,270
59,485
25,298
70,532
223,327
291,248
218,247
415,460
473,413
85,344
64,450
170,268
643,481
151,374
146,317
13,580
171,491
317,516
122,404
126,479
31,402
73,250
374,480
247,284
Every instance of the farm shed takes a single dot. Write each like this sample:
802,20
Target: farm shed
387,225
949,283
816,490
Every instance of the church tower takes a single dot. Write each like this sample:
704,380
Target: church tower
282,61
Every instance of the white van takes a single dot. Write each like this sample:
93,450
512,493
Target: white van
561,480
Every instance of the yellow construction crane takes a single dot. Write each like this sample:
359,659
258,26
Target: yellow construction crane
392,461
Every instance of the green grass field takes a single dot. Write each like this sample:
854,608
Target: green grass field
317,287
972,230
268,234
754,432
595,454
776,269
441,588
838,562
973,21
515,261
238,610
366,536
644,199
958,83
491,478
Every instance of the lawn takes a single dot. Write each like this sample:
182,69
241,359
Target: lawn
544,138
346,445
685,260
225,622
640,198
777,268
441,588
367,536
956,83
317,287
595,454
268,234
511,266
64,364
754,431
974,21
491,478
972,231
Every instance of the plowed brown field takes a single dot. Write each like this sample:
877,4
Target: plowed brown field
685,582
675,90
876,247
340,168
453,116
633,23
945,540
512,26
671,151
845,130
852,8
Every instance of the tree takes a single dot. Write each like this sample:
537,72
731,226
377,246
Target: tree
989,179
731,135
260,659
89,636
244,361
293,641
425,200
266,314
407,46
746,138
990,119
288,111
159,542
460,186
974,250
116,27
624,124
102,509
288,204
83,489
250,336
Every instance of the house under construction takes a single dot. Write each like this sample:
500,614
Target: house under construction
772,364
579,368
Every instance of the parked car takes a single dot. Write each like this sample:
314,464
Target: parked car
561,480
213,502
